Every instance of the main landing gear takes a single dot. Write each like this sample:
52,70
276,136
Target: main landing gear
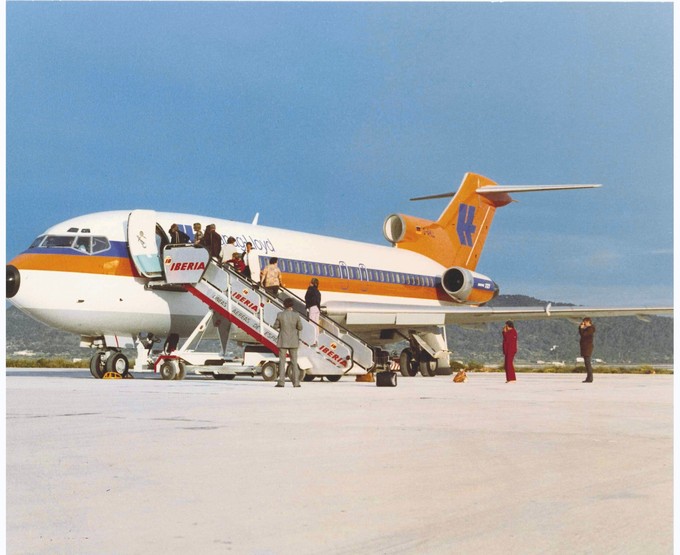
109,361
410,364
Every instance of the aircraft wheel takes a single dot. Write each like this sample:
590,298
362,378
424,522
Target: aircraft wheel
308,378
117,362
386,379
289,372
169,370
181,372
97,366
334,378
269,371
428,366
406,363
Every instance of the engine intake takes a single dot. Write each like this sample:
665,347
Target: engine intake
402,229
468,287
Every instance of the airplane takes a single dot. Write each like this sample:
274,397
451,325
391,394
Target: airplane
102,276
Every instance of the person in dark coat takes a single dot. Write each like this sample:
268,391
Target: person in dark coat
587,332
177,236
313,305
509,350
212,241
289,324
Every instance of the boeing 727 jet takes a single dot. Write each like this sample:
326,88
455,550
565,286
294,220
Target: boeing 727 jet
114,279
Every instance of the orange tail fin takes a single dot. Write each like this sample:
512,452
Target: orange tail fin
458,236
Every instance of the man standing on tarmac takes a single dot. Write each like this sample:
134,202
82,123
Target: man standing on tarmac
587,332
289,325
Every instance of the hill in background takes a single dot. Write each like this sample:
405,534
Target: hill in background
618,340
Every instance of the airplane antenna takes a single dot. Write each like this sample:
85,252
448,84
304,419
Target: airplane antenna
257,217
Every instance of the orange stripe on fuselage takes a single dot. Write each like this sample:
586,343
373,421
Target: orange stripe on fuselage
358,287
118,266
107,265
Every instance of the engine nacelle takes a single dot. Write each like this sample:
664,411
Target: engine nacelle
399,228
468,287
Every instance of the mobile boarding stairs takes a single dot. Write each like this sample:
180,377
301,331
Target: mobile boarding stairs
326,349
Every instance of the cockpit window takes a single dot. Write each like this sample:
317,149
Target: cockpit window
86,244
57,241
100,244
37,242
83,244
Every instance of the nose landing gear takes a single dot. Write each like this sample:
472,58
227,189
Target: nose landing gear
110,361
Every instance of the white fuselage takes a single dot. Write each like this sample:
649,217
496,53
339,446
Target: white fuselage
102,293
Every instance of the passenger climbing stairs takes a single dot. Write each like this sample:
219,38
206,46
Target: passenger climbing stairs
326,349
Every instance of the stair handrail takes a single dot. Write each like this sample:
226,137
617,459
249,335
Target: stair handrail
277,303
301,308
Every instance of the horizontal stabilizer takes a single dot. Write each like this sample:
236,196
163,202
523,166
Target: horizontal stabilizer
531,188
494,189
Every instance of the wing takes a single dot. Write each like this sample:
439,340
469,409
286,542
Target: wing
410,316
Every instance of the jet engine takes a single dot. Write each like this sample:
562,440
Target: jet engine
399,228
468,287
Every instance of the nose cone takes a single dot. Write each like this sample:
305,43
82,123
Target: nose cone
13,281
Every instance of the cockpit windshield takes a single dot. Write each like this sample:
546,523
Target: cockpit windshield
87,244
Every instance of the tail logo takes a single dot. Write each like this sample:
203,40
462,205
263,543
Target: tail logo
465,228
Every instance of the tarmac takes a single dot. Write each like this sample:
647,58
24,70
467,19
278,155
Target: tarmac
544,465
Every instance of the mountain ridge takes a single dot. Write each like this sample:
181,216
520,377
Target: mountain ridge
624,340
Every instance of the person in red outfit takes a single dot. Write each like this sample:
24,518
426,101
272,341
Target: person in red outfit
509,350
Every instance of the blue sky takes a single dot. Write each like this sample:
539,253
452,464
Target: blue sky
327,117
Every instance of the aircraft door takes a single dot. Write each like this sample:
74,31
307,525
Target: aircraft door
145,241
344,276
363,276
